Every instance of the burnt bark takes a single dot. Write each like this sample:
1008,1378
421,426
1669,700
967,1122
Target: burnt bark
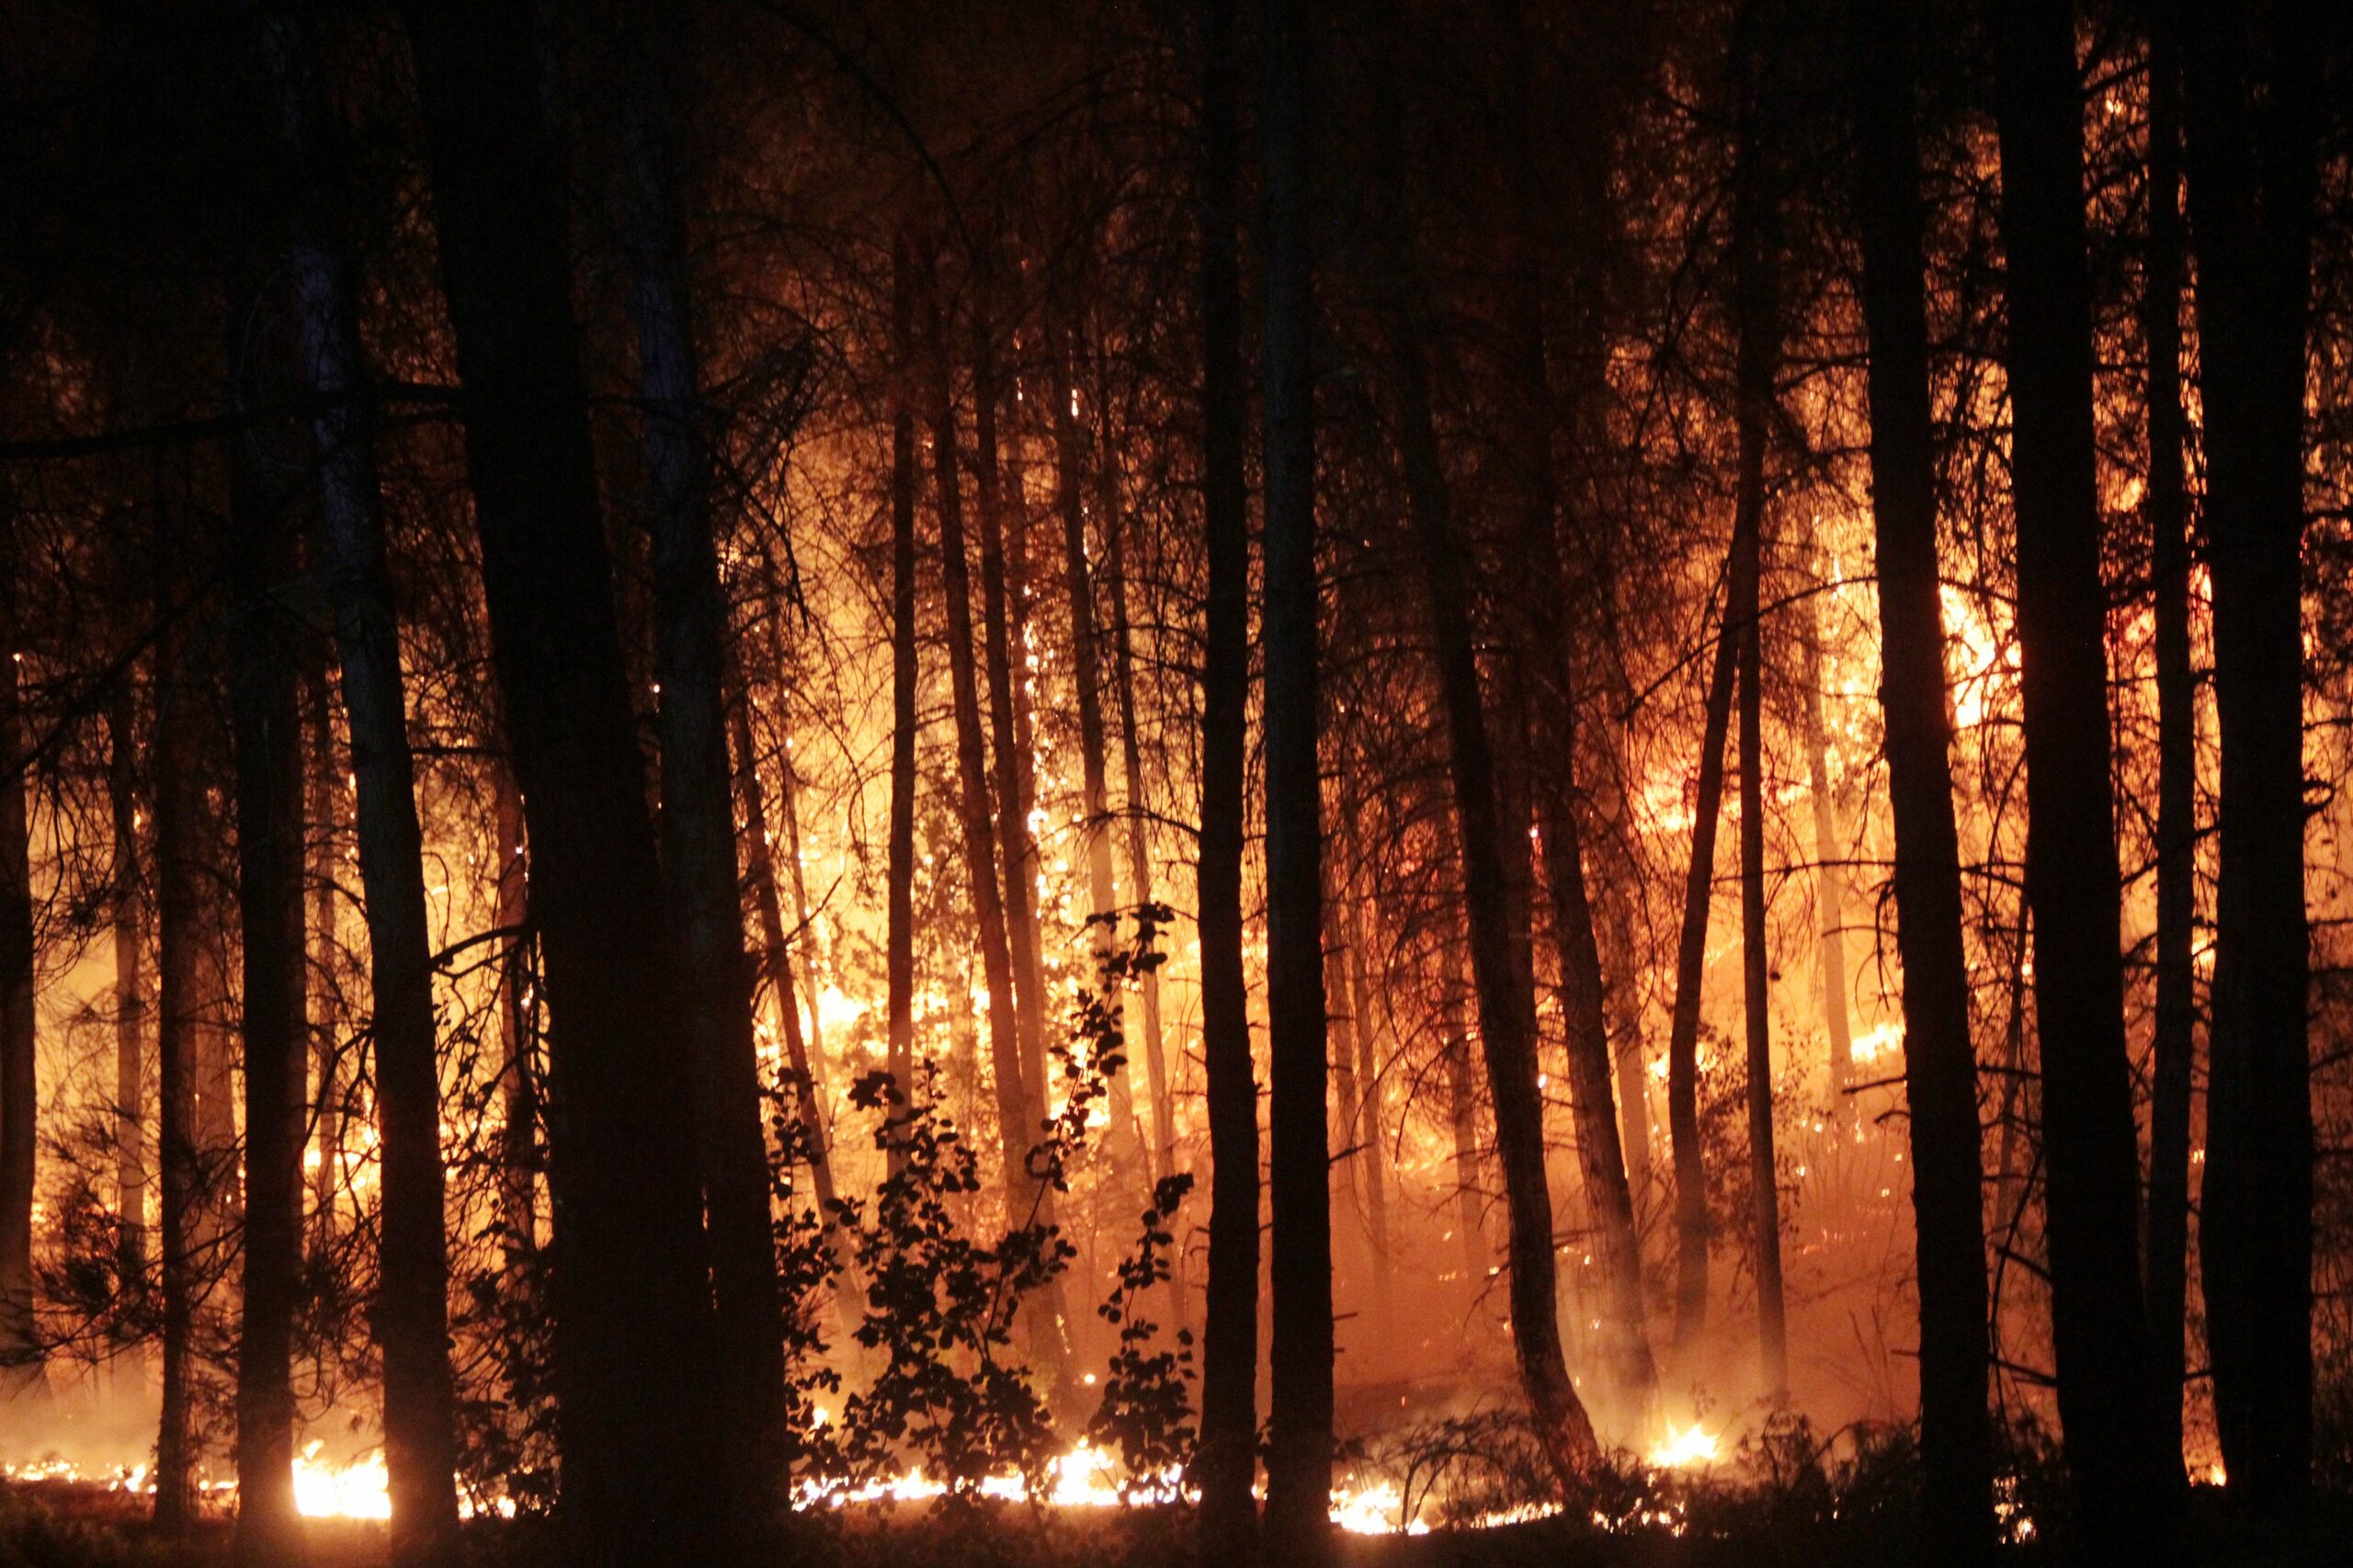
131,1011
2254,108
1755,303
20,1356
1229,1431
1300,1340
1584,1005
411,1318
1691,1225
633,1366
267,730
2091,1156
698,820
900,935
1506,1017
1939,1052
2174,1045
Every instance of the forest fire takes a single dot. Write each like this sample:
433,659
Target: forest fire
1188,784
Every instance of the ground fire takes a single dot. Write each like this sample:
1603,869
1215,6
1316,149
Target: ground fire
1231,781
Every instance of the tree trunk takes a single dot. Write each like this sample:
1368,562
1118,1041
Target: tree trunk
1020,1102
328,1092
1299,1450
1505,1018
1227,1463
129,985
2174,1046
1757,326
1939,1053
2254,102
1087,659
2090,1152
20,1358
411,1316
1012,813
1600,1155
518,1153
634,1371
759,870
188,986
698,820
266,727
1691,1225
1829,875
901,958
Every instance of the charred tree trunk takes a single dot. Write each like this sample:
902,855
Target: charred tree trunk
633,1370
759,869
266,727
1299,1344
1691,1228
2174,1048
2090,1152
185,756
697,819
519,1153
1020,1102
1757,327
130,983
1829,877
1600,1153
20,1358
1939,1052
2254,101
1227,1463
411,1318
1504,1019
327,1090
1005,672
901,935
1087,659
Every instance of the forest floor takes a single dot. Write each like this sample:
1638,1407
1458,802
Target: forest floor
65,1526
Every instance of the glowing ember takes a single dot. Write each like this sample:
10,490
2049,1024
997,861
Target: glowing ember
1685,1448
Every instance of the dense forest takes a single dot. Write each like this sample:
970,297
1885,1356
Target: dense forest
1175,780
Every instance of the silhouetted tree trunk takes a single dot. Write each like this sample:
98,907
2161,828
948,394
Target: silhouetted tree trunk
2174,1044
266,727
759,870
183,757
1756,302
20,1365
1020,1103
1227,1461
1691,1226
130,982
1135,798
634,1367
1004,673
518,1142
1529,434
2090,1154
327,1088
1087,657
411,1316
698,820
1939,1052
2254,102
1829,877
901,935
1300,1343
1463,1127
1504,1019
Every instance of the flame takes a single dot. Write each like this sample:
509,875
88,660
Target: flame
359,1489
1686,1447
